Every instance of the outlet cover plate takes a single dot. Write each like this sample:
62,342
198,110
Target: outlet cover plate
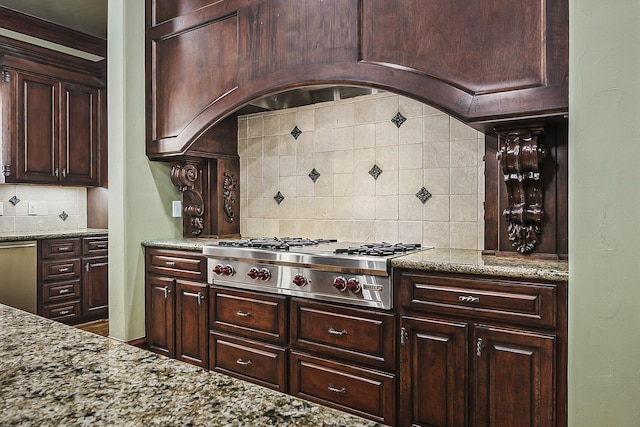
176,208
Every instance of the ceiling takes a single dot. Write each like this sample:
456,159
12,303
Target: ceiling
87,16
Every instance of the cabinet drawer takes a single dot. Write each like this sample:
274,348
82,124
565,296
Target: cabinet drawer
176,263
57,291
252,361
62,311
60,270
251,314
95,246
352,334
364,392
60,248
503,300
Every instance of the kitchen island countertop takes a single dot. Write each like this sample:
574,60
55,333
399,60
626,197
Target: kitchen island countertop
54,375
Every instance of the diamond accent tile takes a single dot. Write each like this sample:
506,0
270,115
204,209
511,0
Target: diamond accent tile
14,200
64,216
398,119
375,171
314,175
423,195
296,132
278,197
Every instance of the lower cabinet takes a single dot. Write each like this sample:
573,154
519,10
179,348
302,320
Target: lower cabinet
481,352
176,309
73,279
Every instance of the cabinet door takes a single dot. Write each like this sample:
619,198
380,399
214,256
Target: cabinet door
95,287
433,372
160,308
37,128
79,135
515,377
191,323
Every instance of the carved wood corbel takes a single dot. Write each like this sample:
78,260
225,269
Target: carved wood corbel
520,154
187,177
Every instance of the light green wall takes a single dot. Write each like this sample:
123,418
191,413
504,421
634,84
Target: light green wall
604,213
140,192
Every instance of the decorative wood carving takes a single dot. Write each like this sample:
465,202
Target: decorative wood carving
520,155
186,176
229,194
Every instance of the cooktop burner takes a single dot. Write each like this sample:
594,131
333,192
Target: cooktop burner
379,249
276,243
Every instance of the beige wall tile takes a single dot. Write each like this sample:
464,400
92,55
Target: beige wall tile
343,140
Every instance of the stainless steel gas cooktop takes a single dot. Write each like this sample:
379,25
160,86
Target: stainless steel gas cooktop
321,269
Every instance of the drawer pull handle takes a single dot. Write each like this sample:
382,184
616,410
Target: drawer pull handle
167,291
63,312
337,390
468,298
101,246
64,249
243,314
334,332
63,291
63,270
243,363
171,264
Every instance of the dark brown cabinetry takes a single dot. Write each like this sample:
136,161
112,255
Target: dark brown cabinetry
176,305
482,62
73,279
481,351
248,336
51,123
344,358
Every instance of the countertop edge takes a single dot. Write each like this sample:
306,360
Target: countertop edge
57,234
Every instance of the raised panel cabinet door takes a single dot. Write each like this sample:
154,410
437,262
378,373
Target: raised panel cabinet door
515,377
95,287
433,373
37,129
192,323
160,320
79,135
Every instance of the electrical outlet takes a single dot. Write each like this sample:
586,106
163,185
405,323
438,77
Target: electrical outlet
176,209
32,208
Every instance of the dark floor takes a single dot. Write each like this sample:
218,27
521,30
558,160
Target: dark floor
98,327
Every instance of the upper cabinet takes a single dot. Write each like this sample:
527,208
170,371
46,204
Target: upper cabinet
485,62
52,110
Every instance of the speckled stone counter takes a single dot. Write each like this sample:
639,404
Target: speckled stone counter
55,375
182,244
18,236
473,262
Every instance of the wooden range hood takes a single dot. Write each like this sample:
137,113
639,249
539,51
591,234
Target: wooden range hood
490,63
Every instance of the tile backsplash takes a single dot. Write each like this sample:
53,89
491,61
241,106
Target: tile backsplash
42,208
320,161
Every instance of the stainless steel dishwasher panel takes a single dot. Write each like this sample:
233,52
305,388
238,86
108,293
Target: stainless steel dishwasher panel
19,275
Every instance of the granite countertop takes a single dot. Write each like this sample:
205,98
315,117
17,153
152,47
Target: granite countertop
17,236
443,260
54,375
473,262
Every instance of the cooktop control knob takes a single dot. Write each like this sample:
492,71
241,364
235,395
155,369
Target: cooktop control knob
218,269
253,273
264,274
228,270
299,280
354,285
340,283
